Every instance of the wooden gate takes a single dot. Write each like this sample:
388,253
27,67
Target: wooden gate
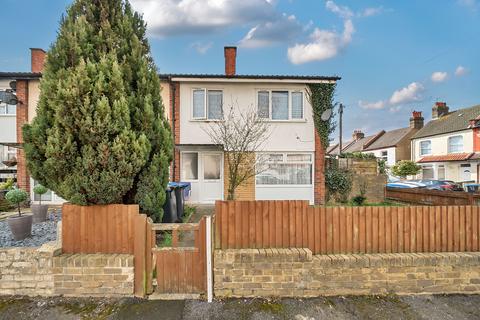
181,269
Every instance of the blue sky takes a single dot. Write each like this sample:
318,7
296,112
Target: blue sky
393,56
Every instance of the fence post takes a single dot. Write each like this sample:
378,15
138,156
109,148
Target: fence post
209,258
139,260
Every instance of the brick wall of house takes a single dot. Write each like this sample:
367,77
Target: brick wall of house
23,178
319,176
175,99
246,191
296,273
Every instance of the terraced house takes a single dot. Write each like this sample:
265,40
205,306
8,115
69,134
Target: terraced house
448,147
294,151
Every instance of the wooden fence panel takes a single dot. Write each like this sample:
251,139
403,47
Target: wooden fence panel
295,224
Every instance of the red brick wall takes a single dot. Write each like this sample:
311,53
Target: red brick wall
38,59
23,178
319,179
230,60
175,93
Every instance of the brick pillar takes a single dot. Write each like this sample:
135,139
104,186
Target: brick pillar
23,178
319,187
175,105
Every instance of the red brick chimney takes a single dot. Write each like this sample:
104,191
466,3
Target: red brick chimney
38,59
230,60
416,121
439,110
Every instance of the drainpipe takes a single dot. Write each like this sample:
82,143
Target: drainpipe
174,89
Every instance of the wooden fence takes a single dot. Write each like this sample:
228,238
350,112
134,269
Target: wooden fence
98,229
287,224
432,197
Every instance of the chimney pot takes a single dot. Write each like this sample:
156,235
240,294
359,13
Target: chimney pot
230,60
416,121
357,135
38,59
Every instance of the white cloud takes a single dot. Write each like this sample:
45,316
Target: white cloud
461,71
324,44
202,47
271,32
410,93
177,17
342,11
395,109
370,12
439,76
372,105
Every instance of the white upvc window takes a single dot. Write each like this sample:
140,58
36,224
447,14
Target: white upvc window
280,105
8,109
425,147
455,144
286,169
427,172
207,104
384,155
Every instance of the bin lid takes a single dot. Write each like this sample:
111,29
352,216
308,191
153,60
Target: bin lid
179,184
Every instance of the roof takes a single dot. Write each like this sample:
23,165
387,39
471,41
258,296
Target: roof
454,121
447,157
389,139
168,76
20,75
357,145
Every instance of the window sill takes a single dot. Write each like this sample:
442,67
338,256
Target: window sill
206,120
286,121
8,115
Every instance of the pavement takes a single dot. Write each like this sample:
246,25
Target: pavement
440,307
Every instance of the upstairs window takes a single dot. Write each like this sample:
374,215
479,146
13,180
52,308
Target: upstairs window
207,104
425,147
280,105
455,144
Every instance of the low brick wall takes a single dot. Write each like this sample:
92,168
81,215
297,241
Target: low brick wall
45,271
296,273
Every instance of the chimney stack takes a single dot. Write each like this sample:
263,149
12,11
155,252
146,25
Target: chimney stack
38,59
439,109
357,135
230,60
416,121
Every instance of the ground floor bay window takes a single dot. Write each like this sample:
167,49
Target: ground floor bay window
285,176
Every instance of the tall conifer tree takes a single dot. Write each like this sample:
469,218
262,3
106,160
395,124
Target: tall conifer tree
100,135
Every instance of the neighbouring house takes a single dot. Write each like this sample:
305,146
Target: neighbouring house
448,146
296,167
391,146
8,136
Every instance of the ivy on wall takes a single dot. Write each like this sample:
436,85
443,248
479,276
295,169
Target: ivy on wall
321,98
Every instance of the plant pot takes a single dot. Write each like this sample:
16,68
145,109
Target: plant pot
39,212
21,227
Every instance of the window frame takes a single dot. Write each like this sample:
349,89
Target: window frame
449,149
430,147
290,104
205,104
285,161
6,114
182,161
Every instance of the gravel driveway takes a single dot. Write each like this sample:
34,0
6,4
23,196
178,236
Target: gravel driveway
440,307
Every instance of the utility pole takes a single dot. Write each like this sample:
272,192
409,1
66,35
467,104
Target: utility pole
340,112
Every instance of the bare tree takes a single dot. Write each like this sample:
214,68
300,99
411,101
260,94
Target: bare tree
242,134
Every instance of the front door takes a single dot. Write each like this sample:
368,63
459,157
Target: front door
204,170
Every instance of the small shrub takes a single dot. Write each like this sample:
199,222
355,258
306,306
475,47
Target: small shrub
358,200
382,166
405,168
40,190
7,185
358,155
16,197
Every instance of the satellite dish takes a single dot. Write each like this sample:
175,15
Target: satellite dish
327,114
13,85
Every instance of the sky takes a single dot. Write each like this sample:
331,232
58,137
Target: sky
393,56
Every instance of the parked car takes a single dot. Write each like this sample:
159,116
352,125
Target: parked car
403,185
443,185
